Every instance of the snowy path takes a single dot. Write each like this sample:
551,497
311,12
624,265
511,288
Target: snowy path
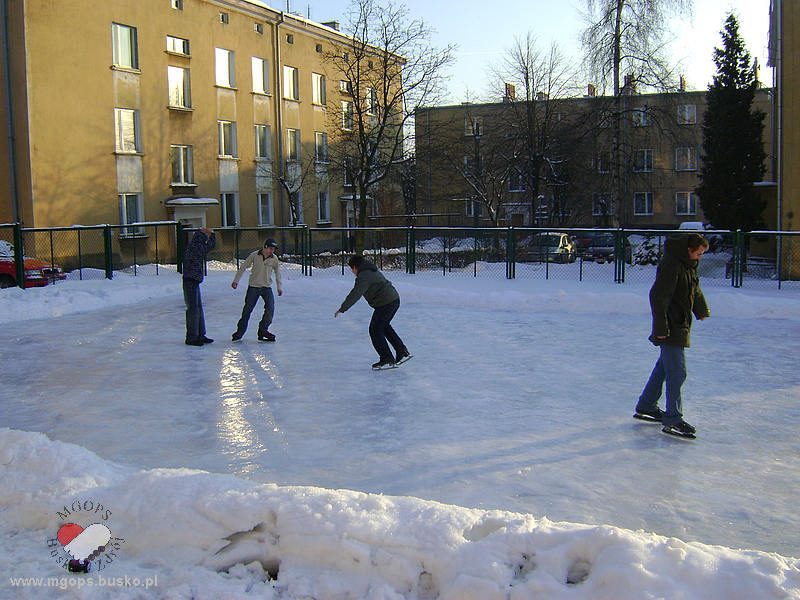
503,406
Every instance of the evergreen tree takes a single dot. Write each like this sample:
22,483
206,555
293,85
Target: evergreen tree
733,150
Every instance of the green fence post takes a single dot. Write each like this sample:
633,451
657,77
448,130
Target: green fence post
107,247
310,252
19,254
619,257
180,245
511,254
411,251
738,260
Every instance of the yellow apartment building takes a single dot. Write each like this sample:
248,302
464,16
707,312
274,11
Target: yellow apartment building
586,178
131,111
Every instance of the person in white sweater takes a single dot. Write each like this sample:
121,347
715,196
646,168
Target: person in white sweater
262,264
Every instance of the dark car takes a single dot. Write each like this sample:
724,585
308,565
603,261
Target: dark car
602,248
549,247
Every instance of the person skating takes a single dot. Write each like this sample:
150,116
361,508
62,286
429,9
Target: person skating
674,298
202,242
263,264
381,295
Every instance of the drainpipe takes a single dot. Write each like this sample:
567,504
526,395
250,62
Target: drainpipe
778,111
279,113
12,154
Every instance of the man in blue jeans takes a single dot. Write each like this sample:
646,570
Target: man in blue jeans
203,241
674,298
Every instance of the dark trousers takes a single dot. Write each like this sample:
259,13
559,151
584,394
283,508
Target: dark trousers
250,300
381,331
195,319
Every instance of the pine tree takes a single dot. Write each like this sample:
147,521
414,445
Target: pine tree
733,150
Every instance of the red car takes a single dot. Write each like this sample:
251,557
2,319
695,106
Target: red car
37,272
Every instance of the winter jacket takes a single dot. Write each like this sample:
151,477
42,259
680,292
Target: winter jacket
195,254
261,275
370,283
676,295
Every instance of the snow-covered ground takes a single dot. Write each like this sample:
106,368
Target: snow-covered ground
501,462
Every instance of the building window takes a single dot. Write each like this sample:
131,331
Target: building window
323,207
230,209
604,162
182,170
347,115
602,205
130,211
685,203
177,45
296,200
643,160
263,142
179,87
126,125
223,18
516,182
643,203
225,74
258,28
290,83
177,4
641,117
293,144
290,38
372,101
319,48
260,75
686,159
321,147
473,209
227,139
473,126
124,46
345,86
687,114
347,172
265,208
318,86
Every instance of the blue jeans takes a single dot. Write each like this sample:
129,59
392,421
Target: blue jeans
250,300
195,319
380,330
670,369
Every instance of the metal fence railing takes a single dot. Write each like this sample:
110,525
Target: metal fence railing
736,259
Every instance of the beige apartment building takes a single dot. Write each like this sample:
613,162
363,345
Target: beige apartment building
638,171
213,112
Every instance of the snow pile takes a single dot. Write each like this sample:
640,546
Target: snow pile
215,536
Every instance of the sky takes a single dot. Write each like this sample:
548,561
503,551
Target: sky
484,32
500,463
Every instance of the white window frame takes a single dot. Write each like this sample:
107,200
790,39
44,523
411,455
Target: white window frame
596,203
604,166
323,206
181,156
225,72
689,199
647,163
372,101
260,72
472,208
687,114
291,89
225,201
647,197
127,131
227,139
321,147
124,46
473,126
264,200
642,117
319,90
177,4
516,182
690,153
180,87
347,172
125,200
348,118
263,139
301,218
292,144
346,86
178,45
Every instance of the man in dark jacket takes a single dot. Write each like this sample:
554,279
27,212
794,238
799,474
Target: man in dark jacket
202,242
380,295
674,298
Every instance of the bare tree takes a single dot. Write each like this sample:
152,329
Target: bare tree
389,69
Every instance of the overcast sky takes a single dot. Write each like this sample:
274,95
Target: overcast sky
484,31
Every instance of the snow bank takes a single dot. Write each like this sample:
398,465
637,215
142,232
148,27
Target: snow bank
214,536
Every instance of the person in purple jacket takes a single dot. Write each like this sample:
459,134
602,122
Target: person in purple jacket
203,241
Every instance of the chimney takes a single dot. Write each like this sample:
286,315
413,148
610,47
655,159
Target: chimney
541,96
511,93
630,85
332,24
682,83
591,92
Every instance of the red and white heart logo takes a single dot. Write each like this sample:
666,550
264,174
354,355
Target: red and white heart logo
84,544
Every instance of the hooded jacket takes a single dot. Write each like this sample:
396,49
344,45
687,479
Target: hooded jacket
676,295
195,254
370,283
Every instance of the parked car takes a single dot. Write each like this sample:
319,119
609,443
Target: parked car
715,240
38,273
551,247
602,249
